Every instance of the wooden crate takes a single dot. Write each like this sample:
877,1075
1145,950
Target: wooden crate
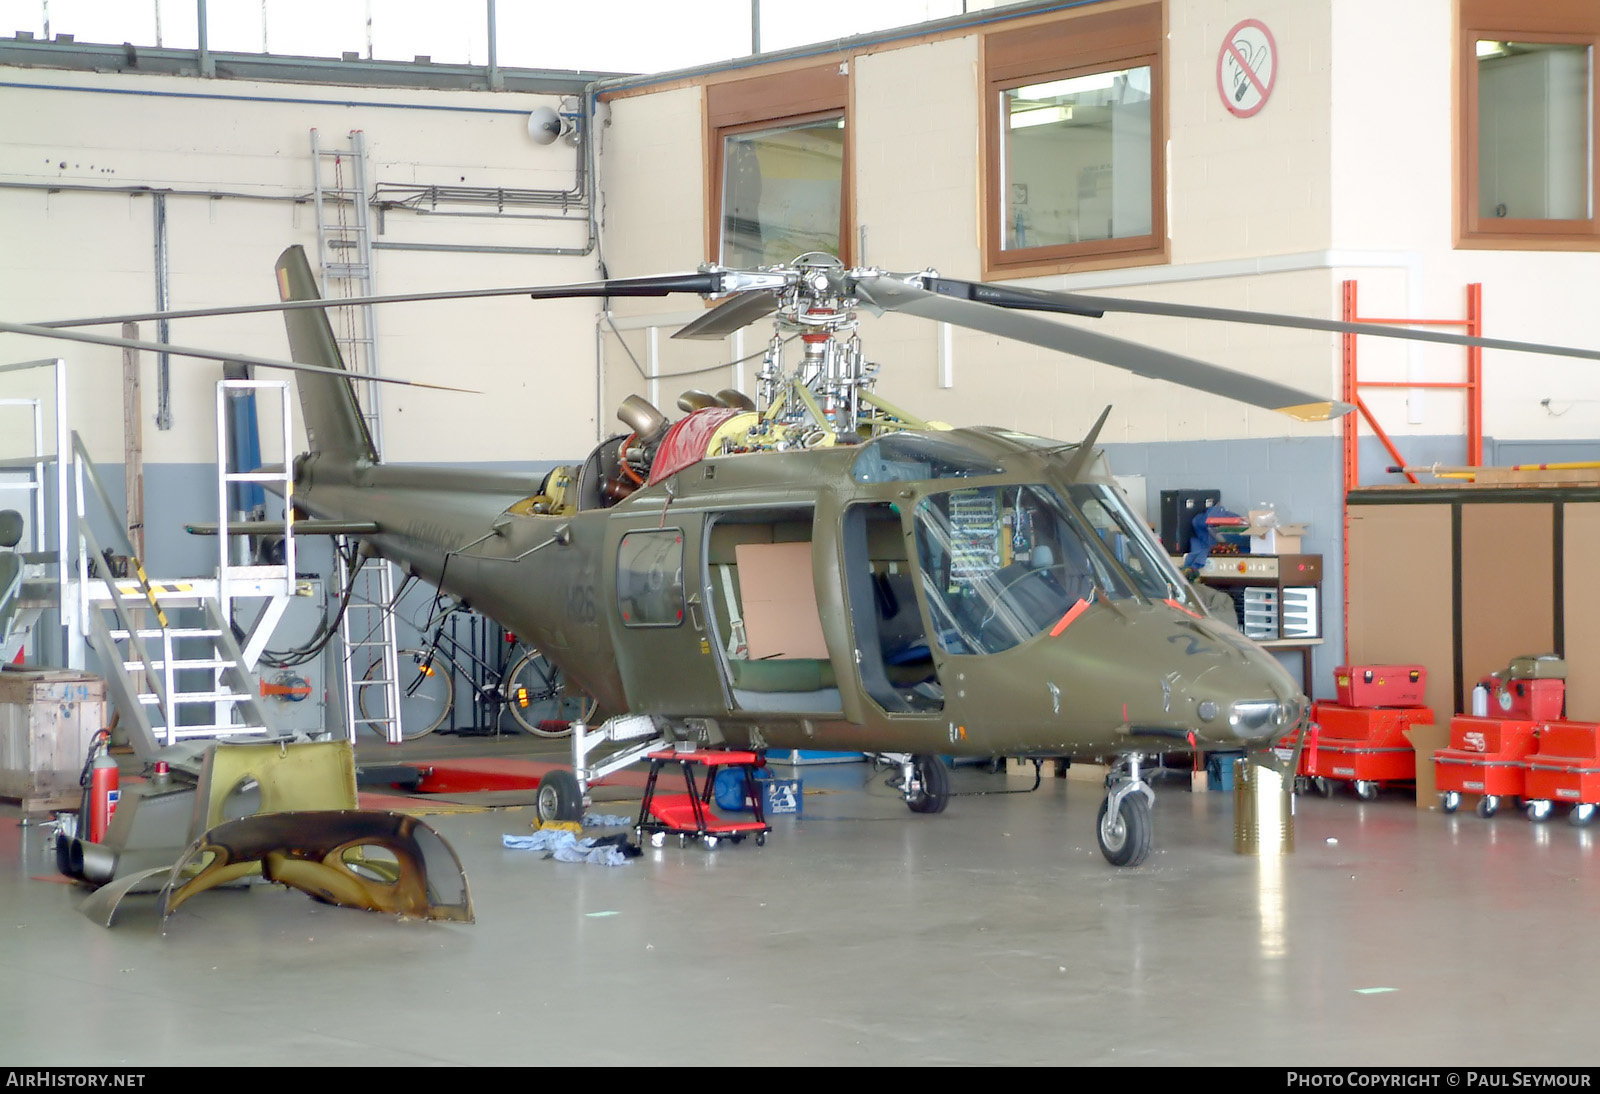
47,719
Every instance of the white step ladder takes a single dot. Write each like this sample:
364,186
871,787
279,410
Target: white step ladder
367,643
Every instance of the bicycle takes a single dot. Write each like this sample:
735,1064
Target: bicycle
530,687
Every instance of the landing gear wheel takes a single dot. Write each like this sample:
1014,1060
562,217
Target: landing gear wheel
1450,801
1581,814
1488,806
559,799
1366,789
1125,838
1539,810
933,785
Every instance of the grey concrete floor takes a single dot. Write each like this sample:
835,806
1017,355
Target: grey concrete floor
993,933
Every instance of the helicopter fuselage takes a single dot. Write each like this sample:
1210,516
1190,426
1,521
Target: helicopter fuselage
969,592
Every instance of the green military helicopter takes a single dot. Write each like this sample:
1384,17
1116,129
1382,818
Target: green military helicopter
817,568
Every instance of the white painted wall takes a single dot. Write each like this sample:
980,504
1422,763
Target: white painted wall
1346,173
77,252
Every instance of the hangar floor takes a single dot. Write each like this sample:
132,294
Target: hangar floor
993,933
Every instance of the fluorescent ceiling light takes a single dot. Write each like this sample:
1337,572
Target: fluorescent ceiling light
1076,85
1045,116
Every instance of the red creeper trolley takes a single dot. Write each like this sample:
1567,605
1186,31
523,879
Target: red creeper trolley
689,815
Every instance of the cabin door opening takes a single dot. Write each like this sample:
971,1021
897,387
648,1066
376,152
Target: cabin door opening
892,651
764,614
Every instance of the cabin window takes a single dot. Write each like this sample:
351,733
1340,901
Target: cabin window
650,578
780,167
1074,117
1527,104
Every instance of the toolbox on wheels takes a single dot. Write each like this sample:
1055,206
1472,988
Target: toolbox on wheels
1361,745
1485,758
1564,768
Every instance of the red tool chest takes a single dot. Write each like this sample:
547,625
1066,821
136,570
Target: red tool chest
1485,757
1380,685
1540,700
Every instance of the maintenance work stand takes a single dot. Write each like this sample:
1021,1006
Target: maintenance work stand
689,815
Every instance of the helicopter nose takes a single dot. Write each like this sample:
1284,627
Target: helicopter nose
1254,719
1249,703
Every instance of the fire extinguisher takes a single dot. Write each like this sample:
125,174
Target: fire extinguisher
103,789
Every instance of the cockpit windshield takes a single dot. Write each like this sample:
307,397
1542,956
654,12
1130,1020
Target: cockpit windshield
1116,526
1000,564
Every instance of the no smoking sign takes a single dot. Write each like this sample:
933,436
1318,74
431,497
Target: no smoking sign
1247,65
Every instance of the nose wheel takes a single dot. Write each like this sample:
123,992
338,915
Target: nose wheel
927,784
1124,829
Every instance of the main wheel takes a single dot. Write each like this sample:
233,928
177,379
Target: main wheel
1366,789
1324,786
559,798
1488,806
539,699
1125,838
1539,809
426,694
1450,801
1581,814
933,785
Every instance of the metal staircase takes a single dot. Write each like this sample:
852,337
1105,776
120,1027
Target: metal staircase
367,641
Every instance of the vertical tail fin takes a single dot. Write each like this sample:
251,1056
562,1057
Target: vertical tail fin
328,405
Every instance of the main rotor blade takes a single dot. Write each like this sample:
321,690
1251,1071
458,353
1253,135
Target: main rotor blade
663,285
734,313
891,294
209,354
1079,304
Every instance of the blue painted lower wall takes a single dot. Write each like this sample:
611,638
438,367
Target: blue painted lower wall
1300,476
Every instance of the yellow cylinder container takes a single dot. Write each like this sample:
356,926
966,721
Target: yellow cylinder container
1263,810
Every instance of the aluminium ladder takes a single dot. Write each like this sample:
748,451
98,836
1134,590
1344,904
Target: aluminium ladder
368,659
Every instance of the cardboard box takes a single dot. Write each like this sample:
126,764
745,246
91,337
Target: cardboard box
1271,536
1427,738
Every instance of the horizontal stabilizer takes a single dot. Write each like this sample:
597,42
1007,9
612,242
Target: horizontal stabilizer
276,528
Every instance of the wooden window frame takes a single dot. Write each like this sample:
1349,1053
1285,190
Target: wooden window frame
1078,44
1552,22
780,99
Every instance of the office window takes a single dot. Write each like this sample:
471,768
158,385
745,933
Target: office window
1075,124
1526,177
779,167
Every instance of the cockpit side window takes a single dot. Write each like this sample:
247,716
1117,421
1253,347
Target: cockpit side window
1001,564
650,578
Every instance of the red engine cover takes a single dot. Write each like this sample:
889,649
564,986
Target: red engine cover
686,442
